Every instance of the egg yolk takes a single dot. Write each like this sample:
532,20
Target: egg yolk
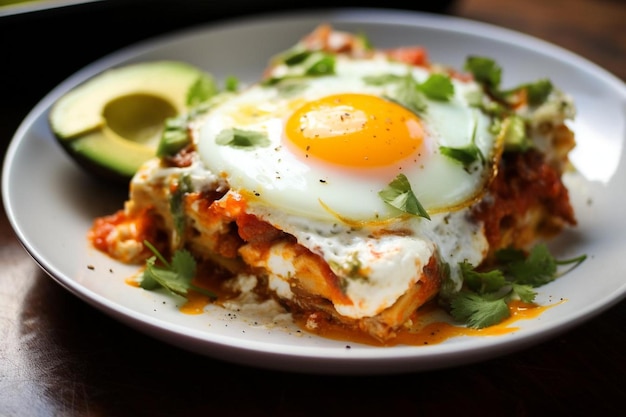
355,130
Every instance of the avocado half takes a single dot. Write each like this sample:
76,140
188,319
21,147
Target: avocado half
112,123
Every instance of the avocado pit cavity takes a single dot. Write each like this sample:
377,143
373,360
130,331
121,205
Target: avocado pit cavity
138,118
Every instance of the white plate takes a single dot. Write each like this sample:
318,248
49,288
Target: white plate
51,203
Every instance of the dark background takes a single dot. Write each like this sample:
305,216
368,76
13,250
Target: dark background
42,48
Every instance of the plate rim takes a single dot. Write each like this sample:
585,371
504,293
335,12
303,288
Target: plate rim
351,364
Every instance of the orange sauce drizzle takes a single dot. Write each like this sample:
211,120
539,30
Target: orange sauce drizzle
195,303
132,281
438,331
428,328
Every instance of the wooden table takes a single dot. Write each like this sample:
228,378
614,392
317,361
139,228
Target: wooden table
60,357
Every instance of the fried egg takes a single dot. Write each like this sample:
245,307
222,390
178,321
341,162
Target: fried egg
324,147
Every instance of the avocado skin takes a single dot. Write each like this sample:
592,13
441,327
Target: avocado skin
78,119
100,172
106,158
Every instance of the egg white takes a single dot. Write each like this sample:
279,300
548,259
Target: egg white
277,178
394,261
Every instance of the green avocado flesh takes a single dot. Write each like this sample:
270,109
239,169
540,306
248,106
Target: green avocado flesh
112,123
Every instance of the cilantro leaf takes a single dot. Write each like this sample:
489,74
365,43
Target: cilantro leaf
169,279
466,155
302,63
485,70
514,133
184,263
382,79
537,269
174,137
177,202
509,255
175,277
240,138
148,282
486,293
296,56
482,282
478,311
293,56
323,65
437,87
538,91
288,87
175,132
524,292
409,95
407,91
231,83
201,90
400,195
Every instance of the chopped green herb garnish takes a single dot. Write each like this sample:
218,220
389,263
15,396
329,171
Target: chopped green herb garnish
288,87
174,276
486,294
437,87
175,133
324,65
409,95
487,72
365,41
240,138
174,137
304,64
478,311
231,83
475,98
482,282
400,195
537,92
514,133
177,203
466,155
537,269
296,56
383,79
201,90
350,270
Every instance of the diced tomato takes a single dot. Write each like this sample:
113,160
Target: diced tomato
102,229
108,233
414,55
255,231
